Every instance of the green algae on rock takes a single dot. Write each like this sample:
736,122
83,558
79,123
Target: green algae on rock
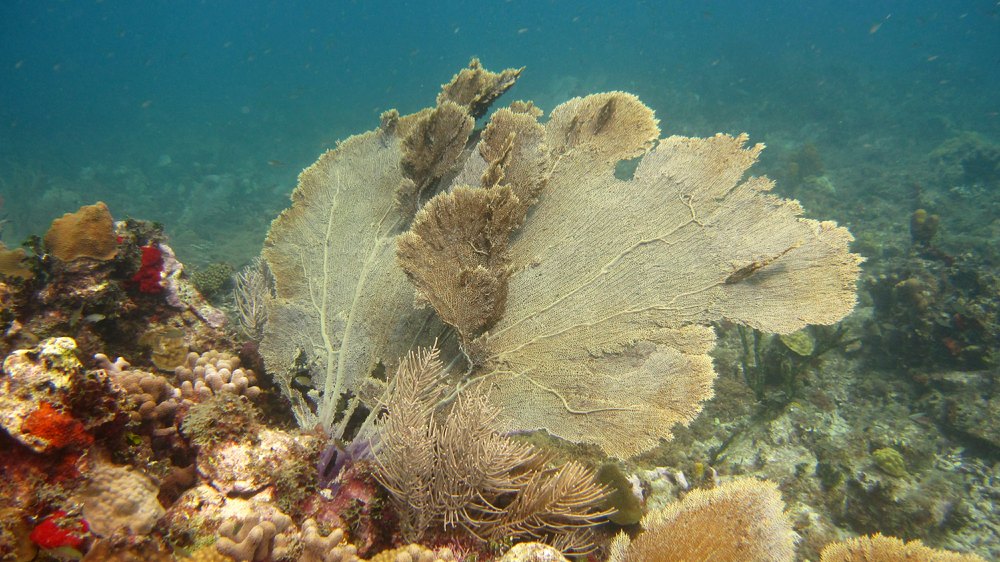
890,461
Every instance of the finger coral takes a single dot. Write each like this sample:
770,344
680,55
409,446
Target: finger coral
317,547
213,372
155,400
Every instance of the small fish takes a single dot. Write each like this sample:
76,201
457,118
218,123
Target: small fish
94,318
276,163
875,27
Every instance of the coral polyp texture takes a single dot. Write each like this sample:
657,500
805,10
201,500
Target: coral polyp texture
118,497
87,233
213,372
879,548
742,521
585,300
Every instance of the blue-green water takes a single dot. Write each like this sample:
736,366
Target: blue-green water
200,114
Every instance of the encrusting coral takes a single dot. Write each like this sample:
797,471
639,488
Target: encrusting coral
118,497
35,390
13,263
740,521
590,315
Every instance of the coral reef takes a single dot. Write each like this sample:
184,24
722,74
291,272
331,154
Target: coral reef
87,233
742,520
967,159
36,390
878,548
118,497
460,472
98,302
889,461
933,313
189,455
534,318
212,279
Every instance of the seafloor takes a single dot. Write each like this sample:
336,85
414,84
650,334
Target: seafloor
888,422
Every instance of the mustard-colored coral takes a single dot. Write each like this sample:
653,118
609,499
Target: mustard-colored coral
207,554
740,521
890,461
13,263
87,233
414,553
879,548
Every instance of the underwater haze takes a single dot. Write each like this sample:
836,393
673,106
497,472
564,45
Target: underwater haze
883,116
201,114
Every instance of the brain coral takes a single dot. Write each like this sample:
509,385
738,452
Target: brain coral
87,233
117,497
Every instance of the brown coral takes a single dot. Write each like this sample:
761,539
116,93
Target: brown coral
457,470
13,263
741,521
880,548
476,88
87,233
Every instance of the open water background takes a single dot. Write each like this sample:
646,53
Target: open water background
200,114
